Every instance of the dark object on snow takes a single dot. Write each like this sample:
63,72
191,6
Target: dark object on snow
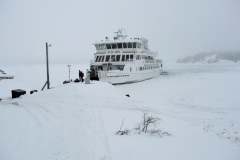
76,80
65,82
31,92
0,99
17,93
79,74
127,95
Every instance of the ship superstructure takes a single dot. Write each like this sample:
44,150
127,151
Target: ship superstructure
123,60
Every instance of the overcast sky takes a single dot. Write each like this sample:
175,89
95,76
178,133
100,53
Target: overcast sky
174,28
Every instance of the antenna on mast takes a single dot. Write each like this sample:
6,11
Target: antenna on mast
120,34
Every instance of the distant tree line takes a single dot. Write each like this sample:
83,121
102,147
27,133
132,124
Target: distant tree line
199,57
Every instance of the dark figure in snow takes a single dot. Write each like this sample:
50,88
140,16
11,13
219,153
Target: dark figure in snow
80,74
82,77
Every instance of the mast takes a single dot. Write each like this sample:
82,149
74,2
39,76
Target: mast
120,34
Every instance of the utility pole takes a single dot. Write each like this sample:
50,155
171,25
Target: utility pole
48,82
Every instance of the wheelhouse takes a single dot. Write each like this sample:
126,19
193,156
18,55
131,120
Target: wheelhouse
120,45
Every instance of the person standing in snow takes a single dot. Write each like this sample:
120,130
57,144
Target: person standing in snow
80,75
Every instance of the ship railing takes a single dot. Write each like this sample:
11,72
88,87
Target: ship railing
102,74
129,60
151,52
158,61
149,61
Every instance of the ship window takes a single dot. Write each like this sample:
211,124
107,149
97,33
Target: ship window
107,58
102,58
108,46
103,46
114,46
129,45
119,45
118,58
127,57
123,58
96,47
100,46
124,45
99,58
131,57
113,58
134,44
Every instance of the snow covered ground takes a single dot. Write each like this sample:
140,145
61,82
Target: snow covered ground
198,104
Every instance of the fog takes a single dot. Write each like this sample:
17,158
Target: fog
174,28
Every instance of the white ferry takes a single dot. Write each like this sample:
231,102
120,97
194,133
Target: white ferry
124,60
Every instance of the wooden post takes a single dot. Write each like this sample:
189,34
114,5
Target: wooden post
48,83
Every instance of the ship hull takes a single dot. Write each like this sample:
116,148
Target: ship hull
127,77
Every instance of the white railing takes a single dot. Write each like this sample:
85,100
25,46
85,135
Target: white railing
102,74
129,60
149,61
158,61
